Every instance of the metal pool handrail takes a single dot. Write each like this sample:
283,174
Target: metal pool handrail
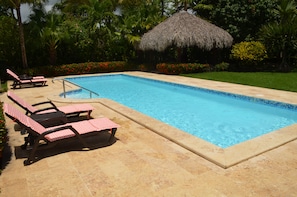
64,89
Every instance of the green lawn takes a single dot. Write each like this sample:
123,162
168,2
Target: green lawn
280,81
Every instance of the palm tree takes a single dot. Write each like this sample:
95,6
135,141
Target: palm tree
281,36
182,4
137,20
51,35
71,6
16,4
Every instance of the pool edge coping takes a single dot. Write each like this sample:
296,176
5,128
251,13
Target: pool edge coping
224,158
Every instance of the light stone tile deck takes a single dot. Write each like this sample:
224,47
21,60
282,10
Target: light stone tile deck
143,163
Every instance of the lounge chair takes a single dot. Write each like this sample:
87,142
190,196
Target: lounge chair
43,137
69,110
26,80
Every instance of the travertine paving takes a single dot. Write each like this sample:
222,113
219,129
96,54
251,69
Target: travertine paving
141,162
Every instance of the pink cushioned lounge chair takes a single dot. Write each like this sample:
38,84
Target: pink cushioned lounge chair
69,110
26,80
40,136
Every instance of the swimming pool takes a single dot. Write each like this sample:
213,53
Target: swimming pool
220,118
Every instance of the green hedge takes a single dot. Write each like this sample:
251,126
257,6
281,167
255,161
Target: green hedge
106,67
182,68
80,68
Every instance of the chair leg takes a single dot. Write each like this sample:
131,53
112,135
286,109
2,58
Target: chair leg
28,140
31,157
14,85
85,146
23,131
113,132
24,146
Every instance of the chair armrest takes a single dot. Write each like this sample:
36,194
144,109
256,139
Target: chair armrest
38,77
45,102
52,106
59,129
45,109
42,136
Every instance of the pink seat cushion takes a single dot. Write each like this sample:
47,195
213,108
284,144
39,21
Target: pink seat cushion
82,127
38,77
103,123
37,80
16,114
59,135
68,109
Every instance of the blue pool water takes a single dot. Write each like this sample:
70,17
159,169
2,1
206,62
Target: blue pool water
220,118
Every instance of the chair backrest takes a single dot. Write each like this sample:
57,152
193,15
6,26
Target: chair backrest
23,104
15,76
15,114
21,118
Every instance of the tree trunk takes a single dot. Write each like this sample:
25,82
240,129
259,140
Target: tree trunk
162,7
53,54
284,66
22,39
185,5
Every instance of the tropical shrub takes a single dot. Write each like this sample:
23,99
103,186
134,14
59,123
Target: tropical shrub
3,130
280,36
142,67
249,51
182,68
248,55
3,87
223,66
150,67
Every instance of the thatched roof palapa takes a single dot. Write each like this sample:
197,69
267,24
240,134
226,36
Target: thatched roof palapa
183,30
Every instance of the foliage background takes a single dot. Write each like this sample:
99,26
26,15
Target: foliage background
108,30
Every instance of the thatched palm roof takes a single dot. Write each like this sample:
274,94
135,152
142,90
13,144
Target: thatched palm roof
183,30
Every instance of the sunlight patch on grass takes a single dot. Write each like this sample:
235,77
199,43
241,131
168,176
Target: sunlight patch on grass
279,81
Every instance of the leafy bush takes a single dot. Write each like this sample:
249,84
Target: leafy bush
3,87
253,51
3,130
182,68
142,67
249,55
223,66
